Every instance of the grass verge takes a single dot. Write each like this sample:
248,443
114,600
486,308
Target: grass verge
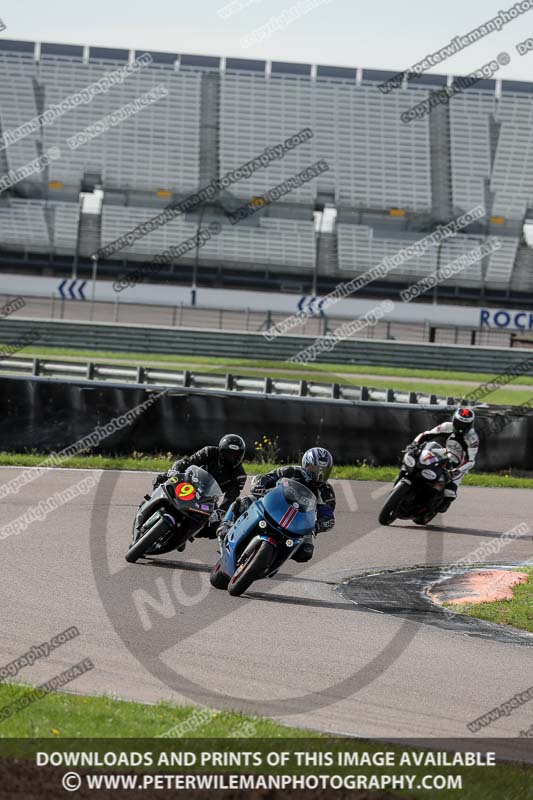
160,463
67,715
517,612
70,717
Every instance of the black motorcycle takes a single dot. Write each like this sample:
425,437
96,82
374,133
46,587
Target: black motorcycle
174,513
418,491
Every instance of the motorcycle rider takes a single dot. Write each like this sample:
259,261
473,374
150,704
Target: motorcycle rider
459,429
224,464
317,464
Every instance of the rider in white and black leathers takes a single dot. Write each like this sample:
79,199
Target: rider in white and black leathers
460,429
317,464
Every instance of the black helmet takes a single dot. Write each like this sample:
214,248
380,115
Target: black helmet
231,449
463,419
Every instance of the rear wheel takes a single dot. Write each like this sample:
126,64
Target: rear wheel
389,512
252,566
217,577
145,542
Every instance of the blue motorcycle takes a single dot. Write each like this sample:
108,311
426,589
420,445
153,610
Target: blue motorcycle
264,536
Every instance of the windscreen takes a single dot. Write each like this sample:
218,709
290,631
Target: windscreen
433,453
201,484
294,492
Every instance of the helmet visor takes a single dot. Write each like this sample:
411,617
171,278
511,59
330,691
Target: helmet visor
231,456
317,473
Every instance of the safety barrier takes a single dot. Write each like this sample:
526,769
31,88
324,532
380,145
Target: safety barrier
44,415
90,370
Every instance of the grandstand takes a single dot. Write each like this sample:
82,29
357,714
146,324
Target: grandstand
389,182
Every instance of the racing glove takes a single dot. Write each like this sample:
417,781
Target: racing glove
259,486
217,516
325,519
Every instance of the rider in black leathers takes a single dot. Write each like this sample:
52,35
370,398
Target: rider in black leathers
224,464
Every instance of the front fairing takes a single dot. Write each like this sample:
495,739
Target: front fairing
282,518
431,477
194,491
431,466
190,515
285,517
243,528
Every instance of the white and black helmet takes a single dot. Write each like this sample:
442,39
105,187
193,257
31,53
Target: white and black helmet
463,419
317,464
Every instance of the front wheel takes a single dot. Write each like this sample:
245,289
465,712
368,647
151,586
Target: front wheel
145,542
424,519
217,577
251,568
389,512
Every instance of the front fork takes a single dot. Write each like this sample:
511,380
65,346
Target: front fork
403,473
146,510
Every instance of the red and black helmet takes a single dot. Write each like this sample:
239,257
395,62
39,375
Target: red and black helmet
463,419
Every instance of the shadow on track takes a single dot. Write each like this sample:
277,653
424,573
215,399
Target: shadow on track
460,531
187,566
299,601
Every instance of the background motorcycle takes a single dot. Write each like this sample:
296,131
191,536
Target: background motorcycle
265,536
175,511
419,489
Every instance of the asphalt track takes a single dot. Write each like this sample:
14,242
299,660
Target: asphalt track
296,648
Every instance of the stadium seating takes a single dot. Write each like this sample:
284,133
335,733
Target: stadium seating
23,221
18,106
221,112
491,139
274,241
501,263
470,148
155,148
360,248
41,226
117,220
64,226
375,160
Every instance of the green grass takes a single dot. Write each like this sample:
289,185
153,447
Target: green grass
361,472
100,355
68,715
428,380
517,612
59,720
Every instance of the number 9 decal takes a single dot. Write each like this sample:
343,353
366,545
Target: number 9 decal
185,491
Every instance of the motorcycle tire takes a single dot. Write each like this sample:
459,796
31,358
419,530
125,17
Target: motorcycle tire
389,511
256,566
425,519
145,542
217,577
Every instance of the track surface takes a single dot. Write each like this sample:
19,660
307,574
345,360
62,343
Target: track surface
295,645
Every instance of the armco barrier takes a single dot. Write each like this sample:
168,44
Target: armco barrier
184,378
191,341
46,415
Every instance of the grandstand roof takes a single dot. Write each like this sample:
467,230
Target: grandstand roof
218,63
